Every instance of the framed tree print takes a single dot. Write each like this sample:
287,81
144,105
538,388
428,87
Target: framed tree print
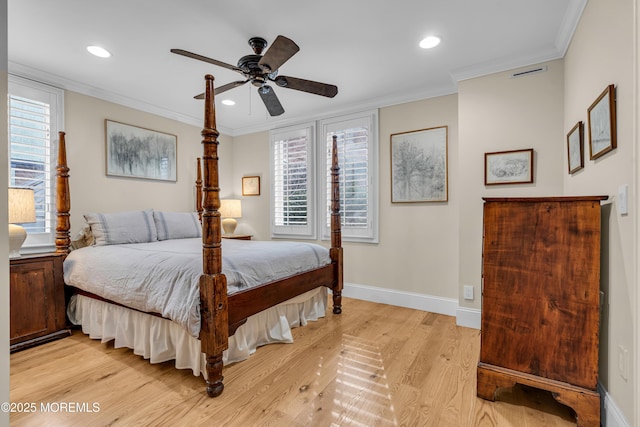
419,166
136,152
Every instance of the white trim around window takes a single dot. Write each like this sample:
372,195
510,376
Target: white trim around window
36,115
358,148
292,169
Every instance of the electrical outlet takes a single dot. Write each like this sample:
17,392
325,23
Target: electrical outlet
468,292
623,362
623,199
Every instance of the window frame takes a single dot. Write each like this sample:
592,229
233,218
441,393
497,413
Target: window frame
369,119
29,89
307,231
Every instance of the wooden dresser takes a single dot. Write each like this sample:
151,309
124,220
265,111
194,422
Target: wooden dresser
37,300
540,299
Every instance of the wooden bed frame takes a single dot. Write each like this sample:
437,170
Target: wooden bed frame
221,314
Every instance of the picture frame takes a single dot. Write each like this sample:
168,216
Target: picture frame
508,167
136,152
250,185
419,166
602,124
575,148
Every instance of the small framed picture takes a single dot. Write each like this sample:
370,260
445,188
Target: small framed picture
602,123
250,185
508,167
575,148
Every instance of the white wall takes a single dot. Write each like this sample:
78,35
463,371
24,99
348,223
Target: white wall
594,60
4,238
251,158
93,191
499,113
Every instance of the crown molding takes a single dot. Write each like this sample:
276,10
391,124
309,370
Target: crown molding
569,24
105,95
505,64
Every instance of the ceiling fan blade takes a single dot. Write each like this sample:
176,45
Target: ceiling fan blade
229,86
224,88
278,53
309,86
205,59
270,100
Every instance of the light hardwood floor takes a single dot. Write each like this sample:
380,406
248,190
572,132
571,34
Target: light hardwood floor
374,365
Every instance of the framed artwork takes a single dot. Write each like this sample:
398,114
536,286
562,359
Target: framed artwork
575,148
602,123
250,185
508,167
419,166
136,152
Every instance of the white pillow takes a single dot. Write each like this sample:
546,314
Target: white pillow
122,227
177,225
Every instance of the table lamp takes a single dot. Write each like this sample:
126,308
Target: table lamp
22,209
230,209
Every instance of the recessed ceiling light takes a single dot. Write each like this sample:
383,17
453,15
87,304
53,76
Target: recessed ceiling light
99,51
228,102
430,42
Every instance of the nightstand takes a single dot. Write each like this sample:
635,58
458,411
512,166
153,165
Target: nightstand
237,236
37,301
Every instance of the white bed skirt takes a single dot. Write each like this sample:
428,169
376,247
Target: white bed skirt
160,340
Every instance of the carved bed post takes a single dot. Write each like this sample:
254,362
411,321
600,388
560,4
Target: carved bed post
63,199
214,331
336,232
199,190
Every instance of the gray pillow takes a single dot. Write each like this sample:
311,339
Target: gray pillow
122,227
177,225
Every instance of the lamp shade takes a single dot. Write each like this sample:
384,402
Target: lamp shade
22,205
230,208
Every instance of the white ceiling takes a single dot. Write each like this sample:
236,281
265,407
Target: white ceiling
368,48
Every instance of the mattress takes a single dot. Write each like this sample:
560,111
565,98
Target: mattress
163,276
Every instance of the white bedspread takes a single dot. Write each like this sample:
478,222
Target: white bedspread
162,277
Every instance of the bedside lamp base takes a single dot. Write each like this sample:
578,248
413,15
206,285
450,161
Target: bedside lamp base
229,225
17,236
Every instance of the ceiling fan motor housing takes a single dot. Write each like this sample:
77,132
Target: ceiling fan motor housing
257,44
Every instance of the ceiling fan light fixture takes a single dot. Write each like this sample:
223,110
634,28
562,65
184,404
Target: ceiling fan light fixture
98,51
430,42
228,102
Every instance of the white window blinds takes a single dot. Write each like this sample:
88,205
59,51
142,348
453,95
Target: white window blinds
35,117
292,180
354,173
358,160
30,146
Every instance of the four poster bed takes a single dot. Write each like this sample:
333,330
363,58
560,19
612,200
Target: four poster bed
221,304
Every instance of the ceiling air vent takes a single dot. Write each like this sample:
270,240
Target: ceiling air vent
535,70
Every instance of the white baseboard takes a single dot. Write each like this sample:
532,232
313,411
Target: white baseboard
448,306
610,414
468,317
416,301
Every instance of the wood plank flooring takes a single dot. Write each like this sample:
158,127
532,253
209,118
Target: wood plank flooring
373,365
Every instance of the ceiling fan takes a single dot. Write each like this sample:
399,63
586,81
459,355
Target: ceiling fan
261,69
